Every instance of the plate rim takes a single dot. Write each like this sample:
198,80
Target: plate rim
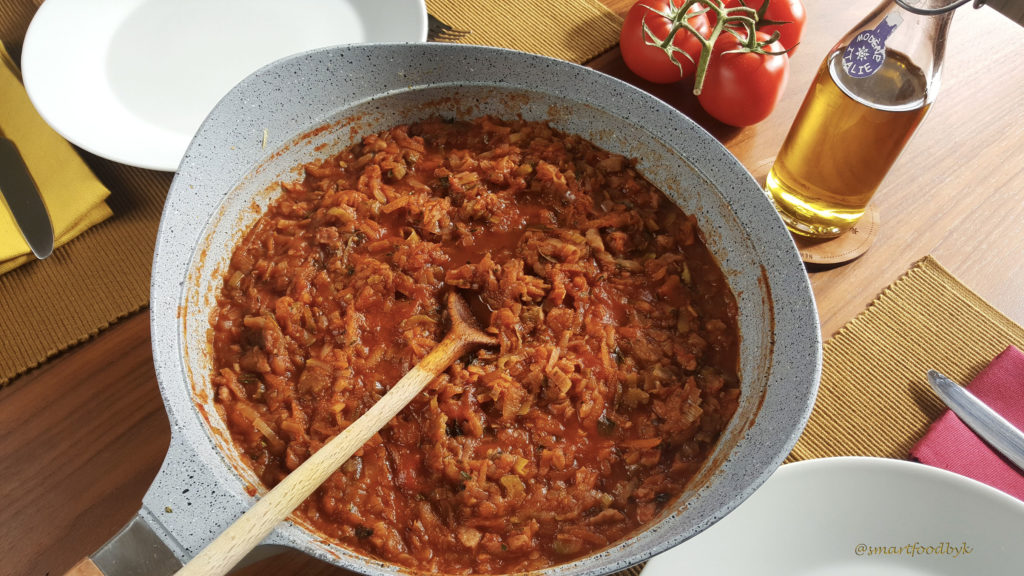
904,470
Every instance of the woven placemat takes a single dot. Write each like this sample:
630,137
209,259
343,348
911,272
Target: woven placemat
103,275
93,281
573,30
88,284
874,399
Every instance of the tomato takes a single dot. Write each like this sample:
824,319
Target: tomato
650,62
742,88
792,12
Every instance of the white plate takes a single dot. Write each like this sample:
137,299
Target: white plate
859,516
132,80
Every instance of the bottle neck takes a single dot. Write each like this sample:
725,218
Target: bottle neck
930,7
924,25
894,56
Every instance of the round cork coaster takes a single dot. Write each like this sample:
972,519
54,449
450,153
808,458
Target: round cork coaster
842,248
829,251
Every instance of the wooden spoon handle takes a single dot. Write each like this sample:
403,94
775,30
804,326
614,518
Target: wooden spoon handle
253,526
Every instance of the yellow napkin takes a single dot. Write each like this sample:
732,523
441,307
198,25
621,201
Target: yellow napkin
72,193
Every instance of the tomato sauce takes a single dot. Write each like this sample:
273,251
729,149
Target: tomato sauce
616,372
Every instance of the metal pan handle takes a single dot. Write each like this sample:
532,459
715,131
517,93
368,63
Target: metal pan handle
136,549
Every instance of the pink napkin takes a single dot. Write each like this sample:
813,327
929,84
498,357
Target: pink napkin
951,445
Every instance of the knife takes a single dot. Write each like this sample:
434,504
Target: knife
22,196
986,422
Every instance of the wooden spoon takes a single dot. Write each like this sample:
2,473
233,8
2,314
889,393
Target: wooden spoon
253,526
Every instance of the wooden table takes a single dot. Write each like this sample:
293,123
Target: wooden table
82,437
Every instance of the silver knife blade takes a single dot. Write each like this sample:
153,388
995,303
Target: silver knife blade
22,197
984,421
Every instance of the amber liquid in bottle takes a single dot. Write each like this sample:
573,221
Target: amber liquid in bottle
841,146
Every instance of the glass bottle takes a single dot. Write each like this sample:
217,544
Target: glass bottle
870,94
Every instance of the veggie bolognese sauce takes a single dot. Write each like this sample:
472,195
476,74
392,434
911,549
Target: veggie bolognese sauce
616,370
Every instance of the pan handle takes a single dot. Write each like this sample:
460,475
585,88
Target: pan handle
136,549
85,567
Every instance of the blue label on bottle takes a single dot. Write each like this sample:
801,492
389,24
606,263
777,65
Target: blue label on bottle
866,53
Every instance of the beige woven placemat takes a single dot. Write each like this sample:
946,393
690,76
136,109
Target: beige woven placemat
88,284
874,399
103,276
573,30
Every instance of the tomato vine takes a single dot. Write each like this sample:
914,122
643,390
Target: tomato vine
742,21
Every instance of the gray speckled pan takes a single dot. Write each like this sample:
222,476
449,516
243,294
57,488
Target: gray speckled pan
310,106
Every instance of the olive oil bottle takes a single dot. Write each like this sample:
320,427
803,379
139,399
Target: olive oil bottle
869,96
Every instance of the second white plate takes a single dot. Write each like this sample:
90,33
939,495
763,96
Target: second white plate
132,80
859,517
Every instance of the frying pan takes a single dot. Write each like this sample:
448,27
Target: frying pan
312,105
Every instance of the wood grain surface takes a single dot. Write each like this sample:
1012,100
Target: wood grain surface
82,437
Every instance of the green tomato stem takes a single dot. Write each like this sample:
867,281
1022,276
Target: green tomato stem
727,19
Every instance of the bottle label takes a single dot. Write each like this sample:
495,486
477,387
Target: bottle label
866,53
